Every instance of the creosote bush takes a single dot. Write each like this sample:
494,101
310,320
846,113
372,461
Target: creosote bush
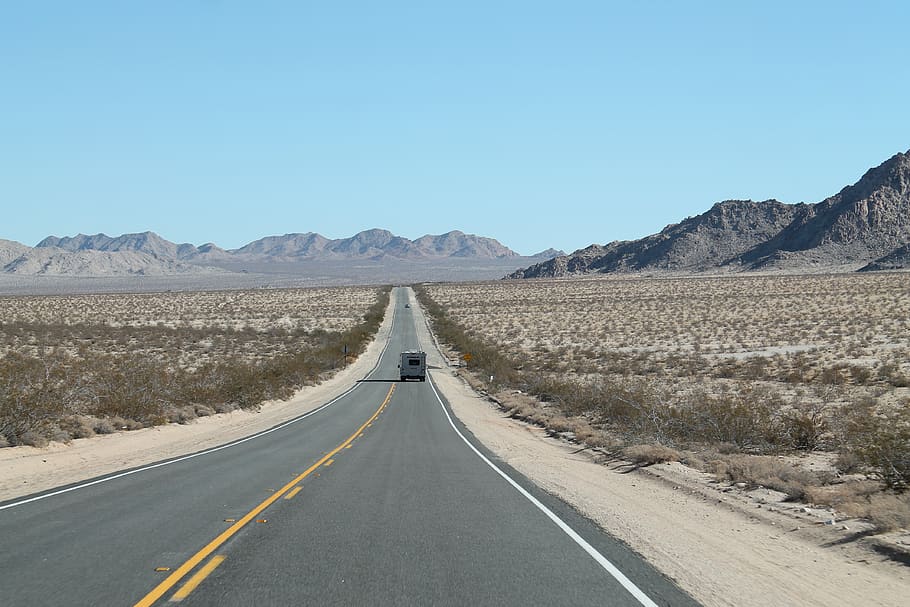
651,454
881,441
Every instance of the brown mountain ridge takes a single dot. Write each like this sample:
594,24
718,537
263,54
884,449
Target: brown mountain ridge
864,226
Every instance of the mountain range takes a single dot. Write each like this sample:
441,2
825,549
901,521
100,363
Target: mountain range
866,226
148,253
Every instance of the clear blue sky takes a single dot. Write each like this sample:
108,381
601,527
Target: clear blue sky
537,123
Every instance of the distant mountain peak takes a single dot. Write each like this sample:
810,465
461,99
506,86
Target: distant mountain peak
893,174
549,253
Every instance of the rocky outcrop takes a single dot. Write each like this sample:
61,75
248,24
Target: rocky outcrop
10,250
898,259
862,223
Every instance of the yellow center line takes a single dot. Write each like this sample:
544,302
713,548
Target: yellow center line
194,581
225,535
330,462
293,492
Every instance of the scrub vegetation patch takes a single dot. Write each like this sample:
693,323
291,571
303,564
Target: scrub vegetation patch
742,376
76,366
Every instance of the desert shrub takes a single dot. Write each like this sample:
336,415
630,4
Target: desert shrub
889,512
58,435
881,441
847,462
28,396
77,426
180,415
848,497
890,372
33,439
864,499
803,428
651,454
744,419
203,410
121,423
134,387
860,375
835,375
104,426
765,471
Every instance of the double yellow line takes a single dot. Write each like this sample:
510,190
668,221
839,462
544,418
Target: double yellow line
216,543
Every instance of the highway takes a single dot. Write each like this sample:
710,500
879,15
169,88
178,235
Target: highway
380,497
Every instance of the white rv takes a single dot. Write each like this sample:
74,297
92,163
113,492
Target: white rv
413,365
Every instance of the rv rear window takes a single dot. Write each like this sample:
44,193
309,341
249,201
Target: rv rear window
414,362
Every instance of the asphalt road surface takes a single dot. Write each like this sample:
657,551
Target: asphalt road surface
380,497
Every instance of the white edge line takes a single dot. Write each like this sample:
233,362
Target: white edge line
626,583
207,451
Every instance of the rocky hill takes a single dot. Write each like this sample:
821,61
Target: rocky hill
283,247
865,224
897,259
10,250
459,244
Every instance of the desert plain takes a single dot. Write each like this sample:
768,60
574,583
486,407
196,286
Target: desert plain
820,345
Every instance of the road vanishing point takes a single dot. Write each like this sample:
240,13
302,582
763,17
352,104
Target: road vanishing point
379,497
